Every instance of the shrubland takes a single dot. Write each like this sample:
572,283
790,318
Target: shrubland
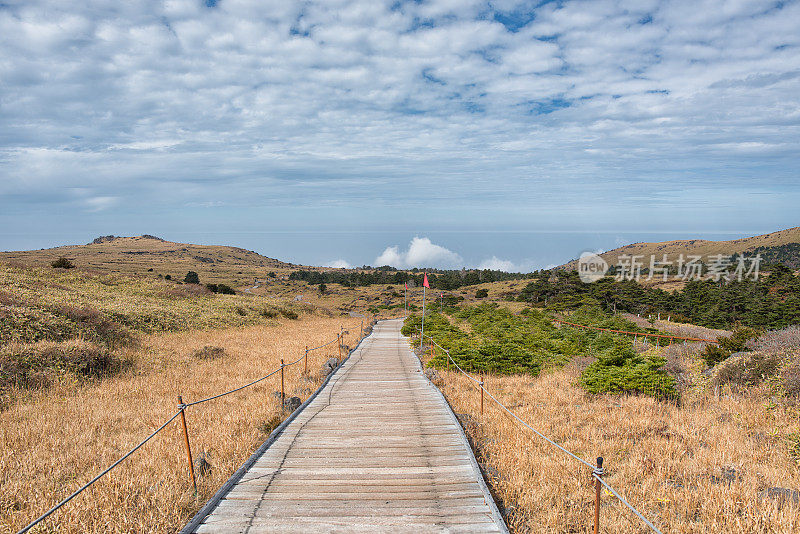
696,446
58,325
489,338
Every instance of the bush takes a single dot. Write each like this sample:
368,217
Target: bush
748,369
777,340
713,354
29,365
289,314
621,370
322,287
62,263
737,342
209,353
481,293
168,277
222,289
191,278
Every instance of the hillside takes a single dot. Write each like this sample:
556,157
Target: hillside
776,246
154,256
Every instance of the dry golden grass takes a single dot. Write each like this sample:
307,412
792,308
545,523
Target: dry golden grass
135,255
662,457
60,438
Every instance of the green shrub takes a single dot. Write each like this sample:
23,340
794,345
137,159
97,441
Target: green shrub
62,263
222,289
620,369
713,354
191,278
289,314
481,293
737,342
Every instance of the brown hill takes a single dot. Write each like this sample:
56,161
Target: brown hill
701,247
153,256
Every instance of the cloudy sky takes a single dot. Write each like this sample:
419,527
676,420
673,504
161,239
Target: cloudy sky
455,132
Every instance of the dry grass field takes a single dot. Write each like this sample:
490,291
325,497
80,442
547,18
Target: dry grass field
138,255
59,438
697,467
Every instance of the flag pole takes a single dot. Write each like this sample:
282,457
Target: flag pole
422,335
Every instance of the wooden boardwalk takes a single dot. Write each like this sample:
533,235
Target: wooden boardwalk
377,450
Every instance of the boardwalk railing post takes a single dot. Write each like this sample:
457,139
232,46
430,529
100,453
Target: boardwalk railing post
305,363
339,342
597,473
283,393
182,408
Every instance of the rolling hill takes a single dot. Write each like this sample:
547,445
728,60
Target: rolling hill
781,246
151,255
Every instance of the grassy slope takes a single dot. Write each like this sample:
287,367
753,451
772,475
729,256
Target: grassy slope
135,255
60,438
700,247
669,459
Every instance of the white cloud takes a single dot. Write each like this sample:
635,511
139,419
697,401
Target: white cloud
496,264
311,103
421,252
338,264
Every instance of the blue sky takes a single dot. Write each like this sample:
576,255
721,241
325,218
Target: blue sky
450,132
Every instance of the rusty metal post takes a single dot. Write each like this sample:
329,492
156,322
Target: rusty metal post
481,388
186,441
305,363
597,473
283,394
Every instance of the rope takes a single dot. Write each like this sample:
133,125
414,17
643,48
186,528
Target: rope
233,390
181,408
254,381
623,501
95,479
597,472
325,345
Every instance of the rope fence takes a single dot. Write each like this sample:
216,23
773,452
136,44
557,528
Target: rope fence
182,414
597,470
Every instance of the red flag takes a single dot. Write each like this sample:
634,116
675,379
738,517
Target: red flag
425,282
406,285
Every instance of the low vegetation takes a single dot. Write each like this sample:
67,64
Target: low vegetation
495,340
60,325
773,301
60,437
726,458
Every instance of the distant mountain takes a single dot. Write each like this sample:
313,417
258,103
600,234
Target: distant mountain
152,255
782,247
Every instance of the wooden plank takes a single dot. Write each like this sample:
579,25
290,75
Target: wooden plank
377,450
